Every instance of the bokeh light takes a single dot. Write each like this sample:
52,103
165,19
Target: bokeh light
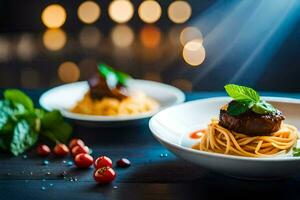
68,72
150,36
54,16
149,11
54,39
90,37
121,11
179,11
89,12
122,36
190,33
26,47
183,84
193,53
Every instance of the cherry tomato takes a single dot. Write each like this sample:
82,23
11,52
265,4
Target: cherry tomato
124,162
61,150
74,142
43,150
79,149
102,161
83,160
104,175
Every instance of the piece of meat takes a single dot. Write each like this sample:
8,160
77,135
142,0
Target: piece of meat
99,89
251,123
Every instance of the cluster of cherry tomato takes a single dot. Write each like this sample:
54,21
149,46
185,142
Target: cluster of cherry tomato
103,173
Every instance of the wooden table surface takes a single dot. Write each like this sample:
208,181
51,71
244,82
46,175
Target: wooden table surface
151,176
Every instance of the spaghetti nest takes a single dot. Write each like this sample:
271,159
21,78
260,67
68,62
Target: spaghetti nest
221,140
107,106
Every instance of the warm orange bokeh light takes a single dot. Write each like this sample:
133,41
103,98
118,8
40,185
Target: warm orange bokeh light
68,72
149,11
150,36
179,11
88,12
193,53
54,16
54,39
190,33
122,36
121,11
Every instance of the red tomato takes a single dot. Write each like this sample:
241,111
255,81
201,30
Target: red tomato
102,161
83,160
43,150
104,175
61,150
74,142
79,149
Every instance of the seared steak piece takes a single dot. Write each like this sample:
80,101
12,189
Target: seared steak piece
251,123
99,89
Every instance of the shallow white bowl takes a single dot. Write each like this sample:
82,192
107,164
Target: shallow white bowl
172,126
66,96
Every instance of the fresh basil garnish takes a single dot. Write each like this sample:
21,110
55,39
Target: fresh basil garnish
246,99
21,123
113,77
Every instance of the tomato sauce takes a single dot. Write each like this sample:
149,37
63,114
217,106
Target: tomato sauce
197,134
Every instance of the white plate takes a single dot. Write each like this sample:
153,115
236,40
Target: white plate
171,126
66,96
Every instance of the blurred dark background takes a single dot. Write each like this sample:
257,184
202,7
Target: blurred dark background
256,43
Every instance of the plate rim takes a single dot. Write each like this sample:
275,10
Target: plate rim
180,97
219,155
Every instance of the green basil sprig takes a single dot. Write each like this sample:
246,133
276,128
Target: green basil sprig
21,123
246,99
113,77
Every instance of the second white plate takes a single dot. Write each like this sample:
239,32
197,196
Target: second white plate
66,96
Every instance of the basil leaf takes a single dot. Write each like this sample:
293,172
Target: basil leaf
238,107
262,107
296,152
113,77
6,124
122,77
61,132
18,97
23,138
54,125
241,92
52,119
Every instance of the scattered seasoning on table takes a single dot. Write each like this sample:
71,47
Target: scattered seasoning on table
44,180
8,174
63,174
51,184
31,173
48,173
161,155
115,187
73,179
25,156
64,161
166,155
43,188
46,162
69,163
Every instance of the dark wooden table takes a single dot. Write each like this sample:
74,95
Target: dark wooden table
151,176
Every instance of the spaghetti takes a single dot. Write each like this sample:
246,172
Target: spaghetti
221,140
136,104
